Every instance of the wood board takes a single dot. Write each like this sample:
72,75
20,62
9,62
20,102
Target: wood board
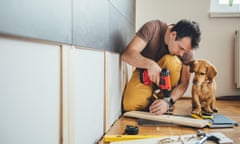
179,120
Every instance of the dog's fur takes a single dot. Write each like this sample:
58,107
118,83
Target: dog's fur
204,87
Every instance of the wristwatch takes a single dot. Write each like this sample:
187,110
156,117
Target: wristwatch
170,101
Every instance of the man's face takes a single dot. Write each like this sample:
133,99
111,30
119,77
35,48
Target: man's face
178,47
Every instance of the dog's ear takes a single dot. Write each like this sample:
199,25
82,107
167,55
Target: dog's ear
191,64
211,72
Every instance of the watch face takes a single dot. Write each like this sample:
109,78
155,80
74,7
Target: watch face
170,101
167,100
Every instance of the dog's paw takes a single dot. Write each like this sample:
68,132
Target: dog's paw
215,110
207,110
207,113
196,111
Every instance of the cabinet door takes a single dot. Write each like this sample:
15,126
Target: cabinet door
88,96
113,88
29,93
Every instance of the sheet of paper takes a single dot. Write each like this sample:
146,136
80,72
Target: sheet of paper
183,139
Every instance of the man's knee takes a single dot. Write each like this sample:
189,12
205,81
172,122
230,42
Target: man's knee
174,65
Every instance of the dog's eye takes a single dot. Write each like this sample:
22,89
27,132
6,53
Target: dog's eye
202,73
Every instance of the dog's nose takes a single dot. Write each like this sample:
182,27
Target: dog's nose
194,81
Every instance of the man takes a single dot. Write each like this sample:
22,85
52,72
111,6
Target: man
157,46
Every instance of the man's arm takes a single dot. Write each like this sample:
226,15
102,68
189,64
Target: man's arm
132,55
180,89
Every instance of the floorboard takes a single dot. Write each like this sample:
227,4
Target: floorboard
227,107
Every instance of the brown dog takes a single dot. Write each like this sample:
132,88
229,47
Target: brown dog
204,87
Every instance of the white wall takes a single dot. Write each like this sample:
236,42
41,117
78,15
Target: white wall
217,34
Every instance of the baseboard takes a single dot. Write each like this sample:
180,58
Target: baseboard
230,97
186,97
234,97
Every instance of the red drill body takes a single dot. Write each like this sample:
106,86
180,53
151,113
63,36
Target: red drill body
165,82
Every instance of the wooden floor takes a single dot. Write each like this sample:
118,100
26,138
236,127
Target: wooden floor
229,108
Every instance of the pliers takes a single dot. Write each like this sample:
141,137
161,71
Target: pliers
206,137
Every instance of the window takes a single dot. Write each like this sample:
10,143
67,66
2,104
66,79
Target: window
225,8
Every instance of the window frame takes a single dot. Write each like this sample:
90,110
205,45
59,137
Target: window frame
225,11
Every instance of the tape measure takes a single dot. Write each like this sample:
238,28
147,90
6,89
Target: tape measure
202,116
131,130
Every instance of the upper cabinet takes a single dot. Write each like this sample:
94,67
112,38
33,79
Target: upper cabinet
40,19
97,24
91,23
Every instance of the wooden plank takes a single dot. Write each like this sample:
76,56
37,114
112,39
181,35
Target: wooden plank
180,120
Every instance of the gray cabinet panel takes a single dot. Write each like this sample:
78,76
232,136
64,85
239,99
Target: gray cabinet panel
126,8
98,24
121,31
91,23
41,19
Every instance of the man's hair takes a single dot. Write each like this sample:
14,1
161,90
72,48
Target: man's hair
186,28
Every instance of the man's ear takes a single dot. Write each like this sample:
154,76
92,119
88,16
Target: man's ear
173,35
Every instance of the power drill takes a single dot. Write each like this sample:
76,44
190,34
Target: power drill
165,82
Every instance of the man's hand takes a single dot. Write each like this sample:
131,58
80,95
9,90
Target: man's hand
154,73
159,106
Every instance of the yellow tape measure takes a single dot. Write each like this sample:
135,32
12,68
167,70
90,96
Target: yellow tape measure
201,116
